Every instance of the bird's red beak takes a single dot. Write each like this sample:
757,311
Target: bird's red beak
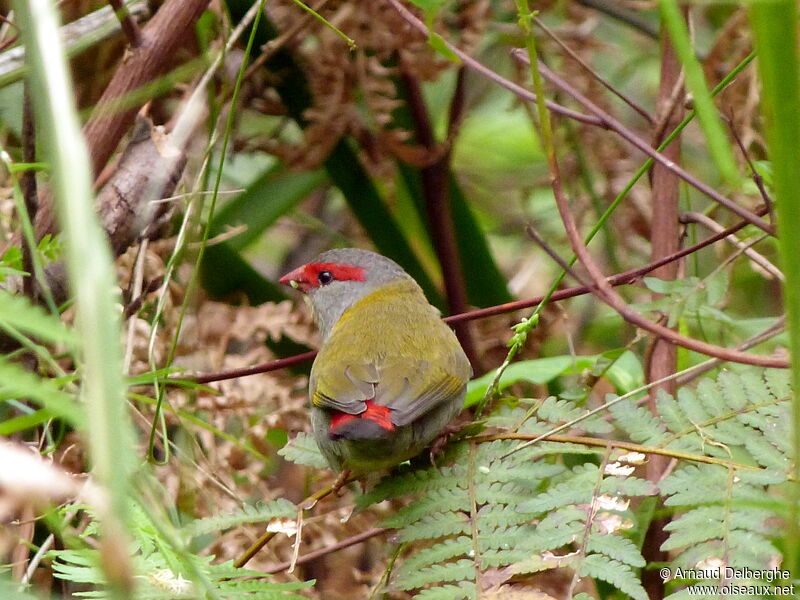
296,279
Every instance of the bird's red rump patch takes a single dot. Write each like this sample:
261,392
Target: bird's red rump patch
380,415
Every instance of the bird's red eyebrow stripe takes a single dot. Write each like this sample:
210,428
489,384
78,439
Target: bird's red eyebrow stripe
340,272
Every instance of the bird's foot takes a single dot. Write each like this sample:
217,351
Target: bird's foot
341,480
441,441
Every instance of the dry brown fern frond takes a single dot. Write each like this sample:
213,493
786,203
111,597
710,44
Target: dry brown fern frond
355,93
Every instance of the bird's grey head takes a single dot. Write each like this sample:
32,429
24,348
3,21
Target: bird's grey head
337,279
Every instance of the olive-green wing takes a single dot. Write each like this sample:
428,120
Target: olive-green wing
410,387
345,388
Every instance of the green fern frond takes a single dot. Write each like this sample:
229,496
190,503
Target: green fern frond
638,422
481,516
260,513
460,570
618,574
436,525
464,591
407,482
727,514
165,571
448,549
617,547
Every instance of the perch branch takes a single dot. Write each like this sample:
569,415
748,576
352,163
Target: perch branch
481,313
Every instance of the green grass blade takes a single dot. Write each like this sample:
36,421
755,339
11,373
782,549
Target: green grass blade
90,270
710,123
775,34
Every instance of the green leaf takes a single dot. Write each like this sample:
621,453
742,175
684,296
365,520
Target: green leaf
541,370
23,422
617,547
437,42
459,570
464,591
303,450
18,383
485,284
18,312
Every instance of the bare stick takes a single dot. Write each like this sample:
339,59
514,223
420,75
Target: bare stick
129,27
345,543
474,65
491,311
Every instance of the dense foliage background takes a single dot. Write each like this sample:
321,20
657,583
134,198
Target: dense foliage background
165,162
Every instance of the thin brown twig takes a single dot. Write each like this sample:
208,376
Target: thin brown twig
28,185
598,117
757,179
616,10
534,235
618,128
768,333
476,66
435,184
574,55
345,543
11,40
273,365
770,270
491,311
129,27
306,504
606,293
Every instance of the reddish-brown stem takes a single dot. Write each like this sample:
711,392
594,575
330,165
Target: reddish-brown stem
436,194
474,65
598,117
625,133
274,365
481,313
664,241
604,291
161,38
28,185
129,26
574,56
664,224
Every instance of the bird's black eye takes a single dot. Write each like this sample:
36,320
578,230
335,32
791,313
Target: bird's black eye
325,277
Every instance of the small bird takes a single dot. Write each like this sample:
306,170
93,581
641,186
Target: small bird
390,374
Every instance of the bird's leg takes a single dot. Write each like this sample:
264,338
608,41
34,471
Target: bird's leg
441,441
340,481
